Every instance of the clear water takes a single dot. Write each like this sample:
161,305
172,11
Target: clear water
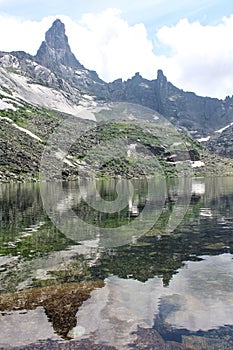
119,265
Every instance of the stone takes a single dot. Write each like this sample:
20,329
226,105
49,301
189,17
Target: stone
55,49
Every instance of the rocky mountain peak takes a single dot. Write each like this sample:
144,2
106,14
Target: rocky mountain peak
161,77
55,37
55,50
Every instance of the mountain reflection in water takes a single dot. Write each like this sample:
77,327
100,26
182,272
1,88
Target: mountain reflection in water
174,279
199,297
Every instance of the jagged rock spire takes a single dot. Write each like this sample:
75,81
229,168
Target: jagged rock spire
161,77
55,37
55,50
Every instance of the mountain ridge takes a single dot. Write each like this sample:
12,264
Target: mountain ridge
60,69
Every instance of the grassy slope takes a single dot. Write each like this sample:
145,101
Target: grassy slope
155,149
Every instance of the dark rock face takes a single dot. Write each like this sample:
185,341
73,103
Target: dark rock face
55,50
55,37
222,143
185,109
135,90
56,55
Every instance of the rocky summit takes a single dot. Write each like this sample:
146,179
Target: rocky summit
55,50
40,93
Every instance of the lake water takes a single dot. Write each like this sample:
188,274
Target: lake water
117,265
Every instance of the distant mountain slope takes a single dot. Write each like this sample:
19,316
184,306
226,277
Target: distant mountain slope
53,78
199,115
16,89
221,142
130,146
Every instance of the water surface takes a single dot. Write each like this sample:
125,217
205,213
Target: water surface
157,269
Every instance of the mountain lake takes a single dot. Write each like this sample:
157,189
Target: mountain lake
116,264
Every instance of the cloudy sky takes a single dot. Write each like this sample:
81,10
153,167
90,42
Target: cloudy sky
191,40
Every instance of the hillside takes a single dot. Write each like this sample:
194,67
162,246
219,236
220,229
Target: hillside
221,142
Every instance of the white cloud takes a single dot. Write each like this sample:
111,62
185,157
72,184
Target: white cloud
200,57
107,43
19,34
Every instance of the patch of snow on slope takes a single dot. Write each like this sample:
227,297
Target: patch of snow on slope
197,164
27,132
41,95
7,105
8,120
204,139
225,127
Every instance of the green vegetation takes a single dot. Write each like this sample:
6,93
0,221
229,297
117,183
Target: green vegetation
33,242
131,149
112,148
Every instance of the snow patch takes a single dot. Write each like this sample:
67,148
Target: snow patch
131,149
144,85
8,120
60,154
27,132
42,95
206,212
204,139
225,127
68,162
7,105
197,164
88,97
172,98
176,144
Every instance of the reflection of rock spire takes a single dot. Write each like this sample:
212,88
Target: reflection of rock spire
133,208
61,302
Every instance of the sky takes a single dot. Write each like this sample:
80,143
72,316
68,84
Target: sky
190,40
